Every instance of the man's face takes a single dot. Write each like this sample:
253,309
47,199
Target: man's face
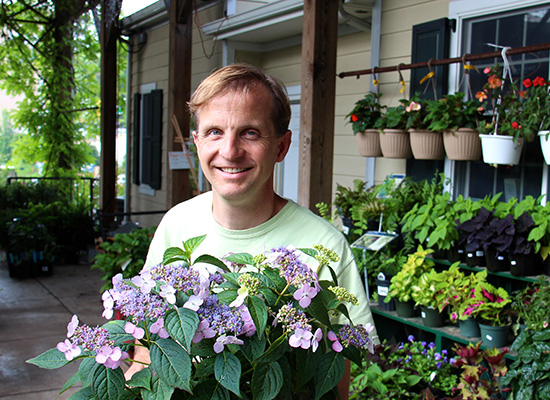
237,145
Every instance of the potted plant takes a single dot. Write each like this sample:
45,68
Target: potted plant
457,289
457,120
401,287
124,254
540,233
426,144
531,306
428,293
259,331
344,199
363,118
503,135
407,370
490,305
394,138
483,372
535,108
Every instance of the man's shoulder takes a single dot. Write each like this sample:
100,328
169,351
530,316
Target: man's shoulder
306,220
198,204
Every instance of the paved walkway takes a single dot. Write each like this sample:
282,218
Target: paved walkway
33,318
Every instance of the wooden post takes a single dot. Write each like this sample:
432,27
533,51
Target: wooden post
317,101
179,91
109,36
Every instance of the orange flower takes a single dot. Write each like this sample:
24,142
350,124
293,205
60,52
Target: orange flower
481,96
523,94
354,118
494,82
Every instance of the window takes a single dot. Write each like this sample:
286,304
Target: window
147,138
513,28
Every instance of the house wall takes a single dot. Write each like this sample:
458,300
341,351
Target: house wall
353,53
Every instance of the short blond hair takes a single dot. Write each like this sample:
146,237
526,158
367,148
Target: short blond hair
243,77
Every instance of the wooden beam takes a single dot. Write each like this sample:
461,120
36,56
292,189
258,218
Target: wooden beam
317,102
107,183
179,91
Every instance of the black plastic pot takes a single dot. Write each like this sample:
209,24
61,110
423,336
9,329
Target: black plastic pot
523,264
383,285
496,262
475,258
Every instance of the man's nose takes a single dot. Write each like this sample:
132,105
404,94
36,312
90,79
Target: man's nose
232,146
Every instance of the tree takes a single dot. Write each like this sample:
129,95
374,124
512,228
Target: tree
50,54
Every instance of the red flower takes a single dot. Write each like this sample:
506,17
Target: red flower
527,83
354,118
523,93
539,81
515,125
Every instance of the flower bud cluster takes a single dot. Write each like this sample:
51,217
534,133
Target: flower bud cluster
343,295
324,255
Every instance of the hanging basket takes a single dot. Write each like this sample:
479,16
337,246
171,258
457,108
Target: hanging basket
463,144
368,143
545,145
426,144
395,143
499,149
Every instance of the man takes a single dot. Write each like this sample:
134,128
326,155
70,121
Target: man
241,117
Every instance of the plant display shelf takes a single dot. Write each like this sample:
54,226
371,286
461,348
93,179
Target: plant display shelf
501,274
445,336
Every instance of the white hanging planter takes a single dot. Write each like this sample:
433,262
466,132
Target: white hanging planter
545,145
499,149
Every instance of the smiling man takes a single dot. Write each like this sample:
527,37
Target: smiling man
241,117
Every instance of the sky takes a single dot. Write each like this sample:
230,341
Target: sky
131,6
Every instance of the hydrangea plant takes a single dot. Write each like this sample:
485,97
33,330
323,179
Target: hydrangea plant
242,327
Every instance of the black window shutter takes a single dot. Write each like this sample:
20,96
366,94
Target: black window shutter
152,139
136,139
431,40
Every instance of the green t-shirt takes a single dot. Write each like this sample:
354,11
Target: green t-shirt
293,225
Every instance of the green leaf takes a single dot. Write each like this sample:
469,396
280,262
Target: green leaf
160,390
269,296
275,351
73,380
117,333
208,259
182,324
141,379
86,370
108,383
227,371
205,368
277,280
172,363
240,258
211,390
83,394
174,254
258,312
253,347
267,381
310,252
328,372
50,359
191,245
303,375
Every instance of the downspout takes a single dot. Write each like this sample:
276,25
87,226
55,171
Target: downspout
128,178
374,27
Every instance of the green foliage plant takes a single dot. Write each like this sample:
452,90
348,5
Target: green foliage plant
452,112
394,118
535,104
249,332
528,376
490,304
416,111
409,370
532,305
365,113
124,254
401,287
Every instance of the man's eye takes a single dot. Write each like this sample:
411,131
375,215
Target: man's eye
215,132
251,133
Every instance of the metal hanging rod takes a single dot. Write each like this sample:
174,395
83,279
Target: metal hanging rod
446,61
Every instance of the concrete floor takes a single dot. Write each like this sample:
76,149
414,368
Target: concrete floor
33,318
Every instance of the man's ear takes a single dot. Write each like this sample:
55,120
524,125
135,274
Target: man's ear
284,145
195,137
